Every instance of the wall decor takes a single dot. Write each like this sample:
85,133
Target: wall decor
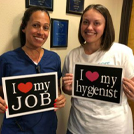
48,4
75,6
59,33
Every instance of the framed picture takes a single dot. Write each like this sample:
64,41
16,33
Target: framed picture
48,4
75,6
59,33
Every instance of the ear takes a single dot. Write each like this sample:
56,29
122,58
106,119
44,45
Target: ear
23,30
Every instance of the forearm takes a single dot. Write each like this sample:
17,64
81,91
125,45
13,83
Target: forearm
67,83
66,91
128,87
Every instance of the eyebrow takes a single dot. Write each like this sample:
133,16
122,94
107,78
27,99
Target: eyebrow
39,22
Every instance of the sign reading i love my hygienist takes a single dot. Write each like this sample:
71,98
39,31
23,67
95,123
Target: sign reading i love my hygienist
28,94
97,82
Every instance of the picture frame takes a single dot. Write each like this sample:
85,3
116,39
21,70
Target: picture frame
59,33
47,4
75,6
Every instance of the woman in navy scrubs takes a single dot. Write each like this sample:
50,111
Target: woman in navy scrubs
31,58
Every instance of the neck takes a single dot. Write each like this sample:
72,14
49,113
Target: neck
32,48
34,54
91,48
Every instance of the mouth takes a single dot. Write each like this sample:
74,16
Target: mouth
39,38
90,33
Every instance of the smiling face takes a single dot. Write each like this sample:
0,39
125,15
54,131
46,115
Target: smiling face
37,29
92,27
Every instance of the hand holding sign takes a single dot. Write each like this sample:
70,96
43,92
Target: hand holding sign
3,105
60,102
128,86
67,83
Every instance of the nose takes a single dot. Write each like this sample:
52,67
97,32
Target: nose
90,26
40,30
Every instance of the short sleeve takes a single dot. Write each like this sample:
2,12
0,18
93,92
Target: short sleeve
59,68
65,66
3,69
129,64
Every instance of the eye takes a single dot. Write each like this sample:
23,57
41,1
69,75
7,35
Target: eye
96,23
36,25
46,27
85,22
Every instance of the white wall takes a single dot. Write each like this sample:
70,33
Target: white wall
10,19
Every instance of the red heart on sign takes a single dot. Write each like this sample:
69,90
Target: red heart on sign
25,87
92,76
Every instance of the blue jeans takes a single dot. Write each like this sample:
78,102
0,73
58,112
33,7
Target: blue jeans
68,132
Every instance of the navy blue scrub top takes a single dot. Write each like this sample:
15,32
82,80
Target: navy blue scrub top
15,63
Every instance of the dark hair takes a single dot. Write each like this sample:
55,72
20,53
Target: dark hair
108,36
25,19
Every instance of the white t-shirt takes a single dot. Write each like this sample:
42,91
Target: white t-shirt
95,117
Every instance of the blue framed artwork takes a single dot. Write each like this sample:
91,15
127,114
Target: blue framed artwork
48,4
59,33
75,6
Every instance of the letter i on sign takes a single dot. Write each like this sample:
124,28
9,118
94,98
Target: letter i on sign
81,74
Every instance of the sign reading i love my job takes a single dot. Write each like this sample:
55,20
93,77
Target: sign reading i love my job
28,94
97,82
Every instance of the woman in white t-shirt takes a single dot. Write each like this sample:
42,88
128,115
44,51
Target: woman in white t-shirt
96,36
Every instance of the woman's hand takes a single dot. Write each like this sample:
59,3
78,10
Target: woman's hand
128,87
67,83
3,105
60,102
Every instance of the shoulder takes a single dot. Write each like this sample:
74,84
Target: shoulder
10,54
75,51
51,54
120,48
121,52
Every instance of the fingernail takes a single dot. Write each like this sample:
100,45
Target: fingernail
55,100
6,107
55,105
